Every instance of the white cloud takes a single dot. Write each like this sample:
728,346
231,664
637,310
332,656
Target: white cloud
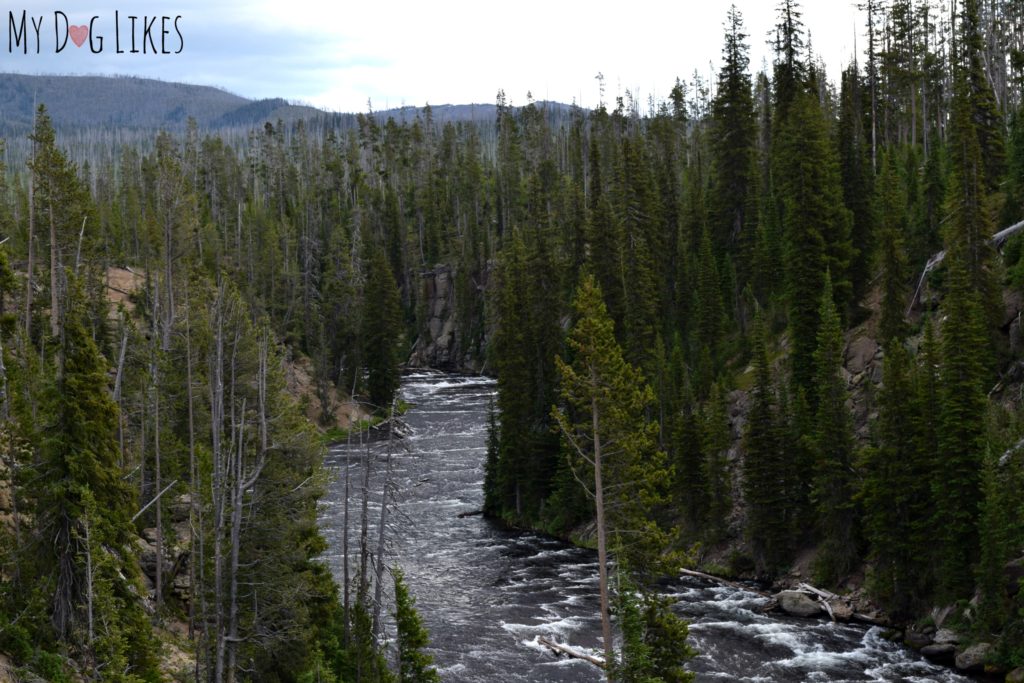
339,54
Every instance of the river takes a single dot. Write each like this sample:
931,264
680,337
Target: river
486,594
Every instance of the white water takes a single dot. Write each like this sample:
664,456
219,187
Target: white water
487,594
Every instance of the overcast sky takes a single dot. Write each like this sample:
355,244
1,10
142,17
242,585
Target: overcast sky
339,55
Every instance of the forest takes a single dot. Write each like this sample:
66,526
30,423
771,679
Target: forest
764,319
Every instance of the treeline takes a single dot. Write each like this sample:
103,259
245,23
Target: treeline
733,232
734,237
155,468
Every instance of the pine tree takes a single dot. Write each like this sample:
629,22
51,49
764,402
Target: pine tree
382,331
896,492
654,647
716,438
790,70
833,437
764,480
602,417
968,222
817,233
710,313
414,665
732,142
856,171
604,242
84,507
688,463
892,208
961,431
977,90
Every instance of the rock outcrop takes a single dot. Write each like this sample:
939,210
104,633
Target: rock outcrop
973,657
452,333
797,604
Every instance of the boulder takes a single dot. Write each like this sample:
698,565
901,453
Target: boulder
973,658
945,635
1014,573
939,652
6,670
1013,304
841,609
1016,676
916,639
147,557
149,534
180,507
859,353
797,604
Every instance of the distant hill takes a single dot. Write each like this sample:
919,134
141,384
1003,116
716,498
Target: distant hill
135,103
78,102
95,116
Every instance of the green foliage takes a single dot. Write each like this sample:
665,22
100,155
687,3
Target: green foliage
857,180
817,229
414,665
766,484
896,491
833,487
733,188
654,639
893,212
716,438
600,390
382,332
961,431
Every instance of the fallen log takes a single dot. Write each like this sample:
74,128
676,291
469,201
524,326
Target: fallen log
560,649
826,597
997,241
474,513
723,582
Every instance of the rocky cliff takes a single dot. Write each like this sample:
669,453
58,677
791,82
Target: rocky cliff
452,328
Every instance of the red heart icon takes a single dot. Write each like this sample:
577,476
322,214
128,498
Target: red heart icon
78,34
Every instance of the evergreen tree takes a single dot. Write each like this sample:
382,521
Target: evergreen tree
764,481
414,665
961,431
892,207
654,647
733,136
716,438
976,89
83,511
856,171
833,436
896,492
817,236
382,331
710,313
602,418
968,223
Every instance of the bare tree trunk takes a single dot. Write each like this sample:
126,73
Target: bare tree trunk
344,536
381,532
193,489
602,545
238,494
169,280
364,551
217,420
159,503
54,278
88,583
31,248
12,465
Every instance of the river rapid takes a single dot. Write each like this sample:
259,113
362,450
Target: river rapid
486,593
